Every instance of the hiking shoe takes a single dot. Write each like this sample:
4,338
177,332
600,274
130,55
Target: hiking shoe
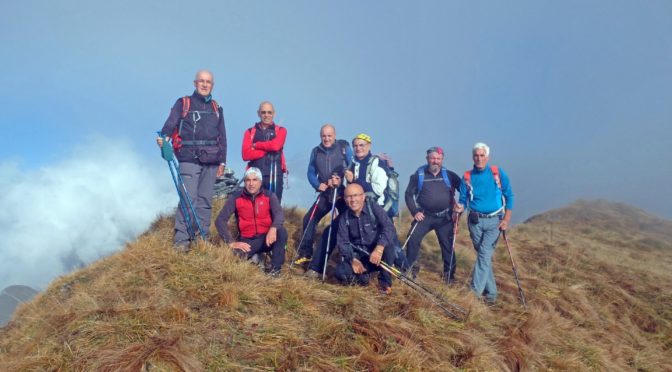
301,261
182,247
312,274
274,274
384,289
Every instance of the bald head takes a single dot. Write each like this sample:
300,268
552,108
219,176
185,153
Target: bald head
203,82
328,135
354,198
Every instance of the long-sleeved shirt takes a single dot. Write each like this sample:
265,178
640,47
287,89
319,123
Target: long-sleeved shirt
435,196
485,197
268,145
371,176
324,161
366,231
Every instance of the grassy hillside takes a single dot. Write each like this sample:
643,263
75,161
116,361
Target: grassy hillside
596,277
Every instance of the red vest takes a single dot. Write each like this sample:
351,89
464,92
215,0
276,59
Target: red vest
254,216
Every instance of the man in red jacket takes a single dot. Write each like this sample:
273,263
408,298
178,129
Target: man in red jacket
260,220
262,148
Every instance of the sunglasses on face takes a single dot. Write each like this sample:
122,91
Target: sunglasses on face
266,112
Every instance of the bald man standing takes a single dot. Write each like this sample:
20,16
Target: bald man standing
263,145
196,126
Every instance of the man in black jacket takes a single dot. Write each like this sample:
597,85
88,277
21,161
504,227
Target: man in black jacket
367,226
430,197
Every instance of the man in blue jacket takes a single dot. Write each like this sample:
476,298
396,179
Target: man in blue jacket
327,163
487,194
196,124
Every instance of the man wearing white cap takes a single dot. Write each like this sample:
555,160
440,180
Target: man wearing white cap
260,221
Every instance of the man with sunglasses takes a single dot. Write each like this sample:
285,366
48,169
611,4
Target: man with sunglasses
196,126
263,148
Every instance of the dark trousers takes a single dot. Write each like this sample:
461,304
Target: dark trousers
443,226
322,208
277,186
346,275
318,260
258,244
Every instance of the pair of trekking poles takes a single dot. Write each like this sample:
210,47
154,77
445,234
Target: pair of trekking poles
310,220
456,219
186,205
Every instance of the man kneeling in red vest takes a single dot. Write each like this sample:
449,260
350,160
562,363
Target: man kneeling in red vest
260,220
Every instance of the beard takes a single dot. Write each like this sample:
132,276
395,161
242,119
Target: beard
434,168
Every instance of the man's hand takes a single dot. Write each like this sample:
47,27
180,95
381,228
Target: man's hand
159,141
240,246
459,208
271,236
357,266
322,187
220,170
376,255
349,176
503,224
419,216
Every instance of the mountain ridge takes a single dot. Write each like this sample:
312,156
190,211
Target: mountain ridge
591,305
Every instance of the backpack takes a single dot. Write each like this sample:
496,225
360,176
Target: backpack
186,104
444,175
391,192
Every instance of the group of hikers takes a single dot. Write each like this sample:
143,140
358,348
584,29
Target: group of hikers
352,185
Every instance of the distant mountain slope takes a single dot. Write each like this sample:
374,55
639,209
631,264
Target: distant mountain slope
11,297
595,302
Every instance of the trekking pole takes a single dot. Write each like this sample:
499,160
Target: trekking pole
515,272
168,155
415,224
310,219
271,177
331,226
435,299
456,220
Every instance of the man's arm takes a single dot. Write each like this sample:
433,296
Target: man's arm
173,119
222,221
312,172
378,180
249,152
221,127
409,196
277,214
343,239
276,144
507,192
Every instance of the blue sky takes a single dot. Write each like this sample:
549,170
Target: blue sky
573,96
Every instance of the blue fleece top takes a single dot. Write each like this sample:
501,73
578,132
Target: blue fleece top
487,197
314,174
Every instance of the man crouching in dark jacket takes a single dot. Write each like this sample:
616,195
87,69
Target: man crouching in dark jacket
260,220
367,226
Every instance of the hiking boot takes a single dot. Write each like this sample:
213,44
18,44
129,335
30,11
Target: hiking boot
274,274
302,261
384,289
182,247
312,274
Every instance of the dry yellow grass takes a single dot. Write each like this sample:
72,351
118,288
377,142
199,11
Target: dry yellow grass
599,298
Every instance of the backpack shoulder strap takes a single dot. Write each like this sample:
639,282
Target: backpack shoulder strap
215,107
421,178
495,173
186,105
373,216
446,179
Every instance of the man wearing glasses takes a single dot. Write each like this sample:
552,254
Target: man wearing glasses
196,126
365,169
366,226
262,148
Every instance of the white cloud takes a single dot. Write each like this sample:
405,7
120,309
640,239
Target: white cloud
76,210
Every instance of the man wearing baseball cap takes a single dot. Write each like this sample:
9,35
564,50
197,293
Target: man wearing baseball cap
430,197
